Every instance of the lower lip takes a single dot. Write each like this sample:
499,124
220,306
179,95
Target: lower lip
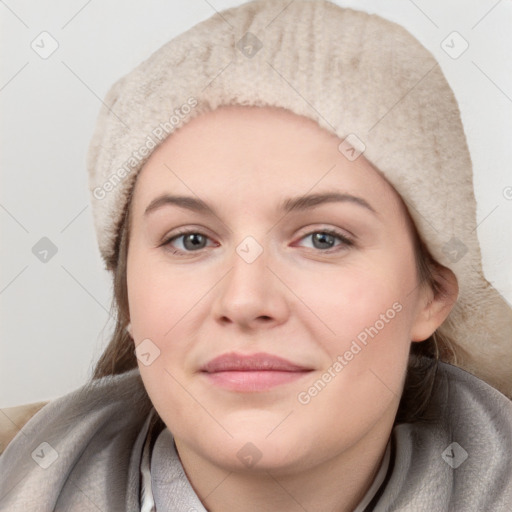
253,380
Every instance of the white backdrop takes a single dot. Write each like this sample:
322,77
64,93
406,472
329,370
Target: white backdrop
54,313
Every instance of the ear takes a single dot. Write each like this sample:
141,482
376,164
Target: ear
434,305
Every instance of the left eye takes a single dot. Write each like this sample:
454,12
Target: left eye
194,241
327,236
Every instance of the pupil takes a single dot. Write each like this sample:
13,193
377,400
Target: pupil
193,238
321,238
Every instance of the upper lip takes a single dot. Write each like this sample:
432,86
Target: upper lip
252,362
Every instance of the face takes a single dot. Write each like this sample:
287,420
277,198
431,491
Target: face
275,317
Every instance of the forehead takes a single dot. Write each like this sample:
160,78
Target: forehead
241,155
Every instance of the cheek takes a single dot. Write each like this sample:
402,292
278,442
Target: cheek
369,311
158,315
158,297
166,304
358,299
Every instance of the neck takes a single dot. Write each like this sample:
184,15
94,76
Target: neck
336,484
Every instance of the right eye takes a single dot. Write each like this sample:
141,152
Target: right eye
192,241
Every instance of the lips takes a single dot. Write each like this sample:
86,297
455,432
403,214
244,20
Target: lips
254,362
255,372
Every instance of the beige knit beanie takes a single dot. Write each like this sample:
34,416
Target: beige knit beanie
357,75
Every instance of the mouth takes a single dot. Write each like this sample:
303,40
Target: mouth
251,373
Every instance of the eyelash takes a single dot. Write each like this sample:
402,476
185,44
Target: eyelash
346,242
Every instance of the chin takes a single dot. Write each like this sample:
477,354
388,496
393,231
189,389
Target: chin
242,455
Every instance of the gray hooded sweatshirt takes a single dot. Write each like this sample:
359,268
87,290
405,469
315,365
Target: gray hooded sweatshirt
88,451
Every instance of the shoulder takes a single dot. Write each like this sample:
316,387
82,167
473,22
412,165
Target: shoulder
468,404
104,392
84,436
12,420
460,458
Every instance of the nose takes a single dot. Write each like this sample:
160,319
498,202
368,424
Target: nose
251,295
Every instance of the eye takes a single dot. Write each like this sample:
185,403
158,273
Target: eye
325,239
192,241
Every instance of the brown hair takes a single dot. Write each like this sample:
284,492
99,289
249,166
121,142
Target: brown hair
119,356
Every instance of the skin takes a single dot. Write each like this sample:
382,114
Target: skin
295,300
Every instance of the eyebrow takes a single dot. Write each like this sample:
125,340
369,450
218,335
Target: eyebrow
292,204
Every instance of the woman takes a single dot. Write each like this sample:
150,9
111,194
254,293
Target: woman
273,193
